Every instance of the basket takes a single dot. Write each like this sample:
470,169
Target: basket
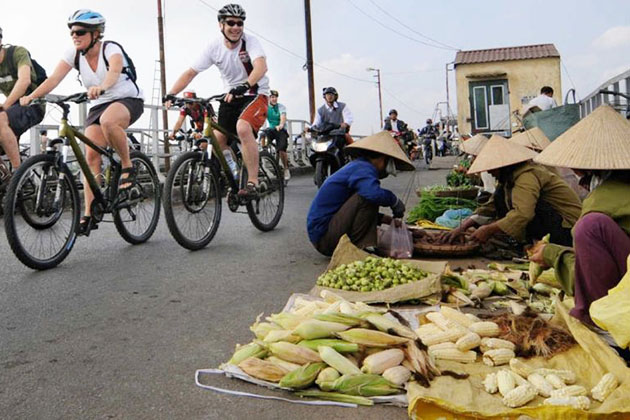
445,250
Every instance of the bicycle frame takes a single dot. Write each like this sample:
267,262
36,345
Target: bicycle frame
214,149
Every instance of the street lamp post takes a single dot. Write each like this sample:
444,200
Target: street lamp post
380,98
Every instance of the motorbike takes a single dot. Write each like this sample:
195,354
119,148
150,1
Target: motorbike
428,145
327,151
406,142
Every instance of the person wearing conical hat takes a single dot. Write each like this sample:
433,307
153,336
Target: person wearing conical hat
348,202
529,201
598,150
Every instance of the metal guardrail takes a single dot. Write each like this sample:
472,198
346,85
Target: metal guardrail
596,98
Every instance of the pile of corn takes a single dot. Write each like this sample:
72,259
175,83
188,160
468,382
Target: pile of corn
344,351
521,384
369,275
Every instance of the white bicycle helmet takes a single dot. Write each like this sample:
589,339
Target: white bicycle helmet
87,18
231,10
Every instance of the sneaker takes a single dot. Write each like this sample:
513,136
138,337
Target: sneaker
287,175
250,192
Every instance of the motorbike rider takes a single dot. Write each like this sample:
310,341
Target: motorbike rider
196,114
349,200
428,130
398,128
334,112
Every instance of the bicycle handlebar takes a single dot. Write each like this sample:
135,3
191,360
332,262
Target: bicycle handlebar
179,101
77,98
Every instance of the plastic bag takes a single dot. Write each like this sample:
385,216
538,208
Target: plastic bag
396,242
612,311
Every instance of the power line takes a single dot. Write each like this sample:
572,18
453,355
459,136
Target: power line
410,28
411,72
567,72
395,31
292,53
401,102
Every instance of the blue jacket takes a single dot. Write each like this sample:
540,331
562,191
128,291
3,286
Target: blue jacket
358,176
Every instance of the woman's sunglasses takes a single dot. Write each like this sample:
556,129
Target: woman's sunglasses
231,23
80,32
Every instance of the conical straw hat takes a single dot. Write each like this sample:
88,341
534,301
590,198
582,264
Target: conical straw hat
600,141
474,145
534,139
384,143
499,152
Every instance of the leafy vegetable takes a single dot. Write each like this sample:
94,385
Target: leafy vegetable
431,207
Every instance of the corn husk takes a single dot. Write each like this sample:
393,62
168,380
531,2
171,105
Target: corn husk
294,353
337,361
262,369
302,377
377,363
387,325
349,320
366,385
288,366
326,378
245,352
314,328
335,396
535,270
339,345
286,320
281,335
371,338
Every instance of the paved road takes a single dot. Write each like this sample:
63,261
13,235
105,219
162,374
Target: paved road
117,331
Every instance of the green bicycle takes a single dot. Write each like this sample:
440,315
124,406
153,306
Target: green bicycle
199,179
42,204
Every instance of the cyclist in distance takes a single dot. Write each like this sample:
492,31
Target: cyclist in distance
196,114
334,112
242,64
117,101
277,130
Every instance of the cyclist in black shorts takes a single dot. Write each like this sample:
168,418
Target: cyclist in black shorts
277,130
196,114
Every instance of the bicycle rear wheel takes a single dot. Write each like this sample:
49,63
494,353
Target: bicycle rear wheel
136,220
42,212
265,213
192,201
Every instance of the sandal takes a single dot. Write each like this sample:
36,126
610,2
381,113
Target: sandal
250,192
127,192
86,225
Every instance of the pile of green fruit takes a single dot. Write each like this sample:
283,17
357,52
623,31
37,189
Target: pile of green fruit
370,275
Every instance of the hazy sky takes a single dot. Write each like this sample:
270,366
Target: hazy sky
593,38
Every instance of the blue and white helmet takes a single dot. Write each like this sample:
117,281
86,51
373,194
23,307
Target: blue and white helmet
87,18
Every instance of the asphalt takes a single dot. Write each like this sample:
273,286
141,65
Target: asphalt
117,331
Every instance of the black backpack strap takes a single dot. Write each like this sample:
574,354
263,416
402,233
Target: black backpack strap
247,63
125,69
9,59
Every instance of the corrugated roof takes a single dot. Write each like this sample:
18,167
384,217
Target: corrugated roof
525,52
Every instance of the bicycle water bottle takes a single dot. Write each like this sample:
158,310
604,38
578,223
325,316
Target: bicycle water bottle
231,163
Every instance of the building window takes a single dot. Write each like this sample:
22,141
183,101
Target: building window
490,107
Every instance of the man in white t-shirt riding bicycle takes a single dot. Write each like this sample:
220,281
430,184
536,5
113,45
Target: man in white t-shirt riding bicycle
242,63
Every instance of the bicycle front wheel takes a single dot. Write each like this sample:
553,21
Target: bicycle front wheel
136,220
42,209
192,201
265,213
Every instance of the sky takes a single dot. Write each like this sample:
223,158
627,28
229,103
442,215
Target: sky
349,36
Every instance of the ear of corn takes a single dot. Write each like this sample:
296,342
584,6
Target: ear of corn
569,391
247,351
441,321
568,376
286,320
262,369
490,383
384,324
314,328
366,385
468,342
294,353
326,378
473,318
288,366
302,377
606,385
555,381
339,345
485,328
520,368
581,402
481,292
281,335
378,362
445,345
451,335
349,320
535,270
519,396
455,355
371,338
455,316
539,382
427,330
337,361
398,375
261,329
335,396
498,357
505,382
488,343
518,379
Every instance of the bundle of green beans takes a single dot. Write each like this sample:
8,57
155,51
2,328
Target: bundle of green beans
431,207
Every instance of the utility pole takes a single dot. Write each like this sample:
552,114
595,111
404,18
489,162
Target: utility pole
380,97
167,162
309,59
448,102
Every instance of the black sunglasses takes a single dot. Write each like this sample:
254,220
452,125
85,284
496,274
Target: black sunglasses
231,23
80,32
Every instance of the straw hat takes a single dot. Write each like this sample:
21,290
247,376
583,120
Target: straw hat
474,145
534,139
499,152
599,141
385,144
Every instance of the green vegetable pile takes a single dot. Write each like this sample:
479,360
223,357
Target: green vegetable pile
431,207
370,274
436,188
